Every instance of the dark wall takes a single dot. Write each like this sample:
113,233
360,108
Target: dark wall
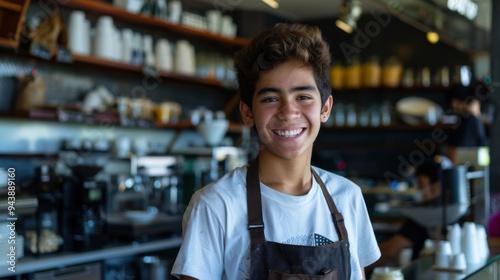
385,37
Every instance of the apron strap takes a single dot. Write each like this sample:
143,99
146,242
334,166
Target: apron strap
254,204
337,217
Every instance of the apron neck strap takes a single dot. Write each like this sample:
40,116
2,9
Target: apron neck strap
254,205
338,219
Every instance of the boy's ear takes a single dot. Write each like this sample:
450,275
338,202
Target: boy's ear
327,108
246,114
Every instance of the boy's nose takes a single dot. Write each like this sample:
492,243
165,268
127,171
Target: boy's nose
288,111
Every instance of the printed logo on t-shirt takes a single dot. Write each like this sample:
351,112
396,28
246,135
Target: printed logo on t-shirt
313,239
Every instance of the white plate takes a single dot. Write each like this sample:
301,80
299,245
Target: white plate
416,106
140,217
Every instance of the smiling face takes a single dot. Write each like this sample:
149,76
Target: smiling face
286,111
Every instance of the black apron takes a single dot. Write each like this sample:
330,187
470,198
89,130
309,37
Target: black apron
271,260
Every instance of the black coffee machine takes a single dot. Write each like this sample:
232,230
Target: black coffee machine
84,210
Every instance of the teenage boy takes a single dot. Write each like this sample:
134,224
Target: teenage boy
279,217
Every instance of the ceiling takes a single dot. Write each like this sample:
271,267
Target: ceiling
422,14
298,10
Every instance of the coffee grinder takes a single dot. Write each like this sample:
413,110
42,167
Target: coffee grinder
84,209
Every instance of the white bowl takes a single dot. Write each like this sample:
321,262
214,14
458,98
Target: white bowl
416,106
213,131
140,217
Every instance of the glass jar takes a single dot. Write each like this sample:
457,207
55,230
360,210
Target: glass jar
372,72
353,74
337,73
392,72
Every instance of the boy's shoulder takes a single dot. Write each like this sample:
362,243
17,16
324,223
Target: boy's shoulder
335,182
229,184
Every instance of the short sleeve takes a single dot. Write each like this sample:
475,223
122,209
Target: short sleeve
368,250
201,252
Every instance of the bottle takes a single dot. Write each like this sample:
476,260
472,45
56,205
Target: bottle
160,9
147,7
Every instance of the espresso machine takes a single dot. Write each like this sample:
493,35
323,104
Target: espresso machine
83,210
146,202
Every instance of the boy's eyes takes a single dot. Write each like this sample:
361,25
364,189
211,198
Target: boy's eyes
275,99
304,97
269,99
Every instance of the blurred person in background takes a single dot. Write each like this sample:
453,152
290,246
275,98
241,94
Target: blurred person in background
412,235
469,130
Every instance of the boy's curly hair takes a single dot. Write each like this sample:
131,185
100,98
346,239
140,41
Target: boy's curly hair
278,44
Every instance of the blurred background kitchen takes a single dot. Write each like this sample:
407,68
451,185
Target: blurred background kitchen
113,113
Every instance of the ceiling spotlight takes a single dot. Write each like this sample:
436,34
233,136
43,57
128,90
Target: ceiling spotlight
272,3
432,37
350,11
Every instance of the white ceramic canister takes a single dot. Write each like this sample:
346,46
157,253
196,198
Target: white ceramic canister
214,18
185,58
163,53
127,45
147,48
105,38
78,31
175,11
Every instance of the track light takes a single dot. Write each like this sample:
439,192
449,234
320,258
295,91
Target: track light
350,11
272,3
432,37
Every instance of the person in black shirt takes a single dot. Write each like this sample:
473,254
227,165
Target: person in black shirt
469,130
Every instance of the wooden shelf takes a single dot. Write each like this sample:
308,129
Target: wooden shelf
393,126
4,42
52,115
102,8
401,89
11,6
11,19
121,66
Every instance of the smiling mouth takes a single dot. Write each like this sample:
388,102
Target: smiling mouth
288,133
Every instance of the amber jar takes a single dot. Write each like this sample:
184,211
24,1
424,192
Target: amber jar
371,73
392,73
353,74
337,76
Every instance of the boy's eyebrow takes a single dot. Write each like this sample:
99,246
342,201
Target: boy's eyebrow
293,89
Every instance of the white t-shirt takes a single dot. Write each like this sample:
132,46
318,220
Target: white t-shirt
216,241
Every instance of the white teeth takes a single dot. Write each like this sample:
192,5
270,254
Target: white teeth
289,133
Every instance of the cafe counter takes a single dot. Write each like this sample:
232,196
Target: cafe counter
423,269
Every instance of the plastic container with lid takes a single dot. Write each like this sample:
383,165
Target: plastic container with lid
387,273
